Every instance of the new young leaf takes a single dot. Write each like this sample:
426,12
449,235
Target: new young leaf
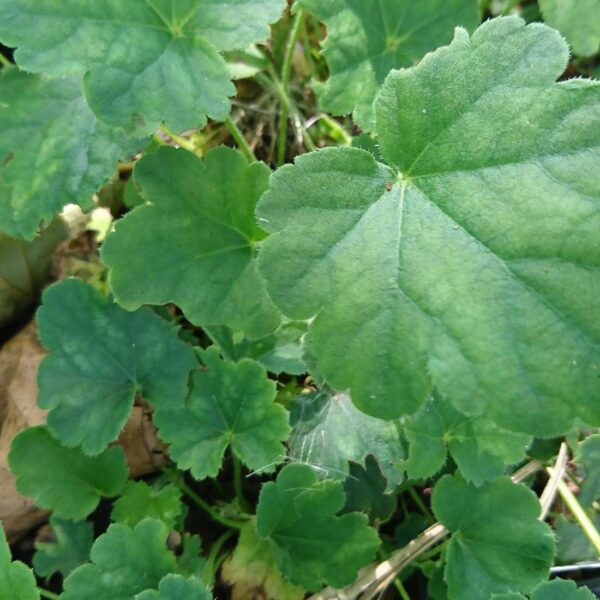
64,480
100,357
312,546
365,42
53,151
194,243
16,579
144,62
498,544
124,562
471,262
229,404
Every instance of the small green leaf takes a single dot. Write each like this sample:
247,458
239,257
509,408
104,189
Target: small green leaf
229,404
138,501
328,432
64,480
572,544
70,548
24,268
190,561
560,589
252,567
469,263
364,43
194,244
16,578
577,20
144,63
312,546
53,151
480,449
177,587
100,357
498,544
589,457
124,562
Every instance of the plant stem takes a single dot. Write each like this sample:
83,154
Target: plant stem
240,140
206,507
576,509
211,561
420,504
180,141
401,589
286,73
47,594
237,484
4,61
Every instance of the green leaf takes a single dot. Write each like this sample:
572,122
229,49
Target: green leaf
70,548
560,589
124,562
365,491
312,546
229,404
572,544
328,432
195,242
480,449
64,480
252,567
16,578
24,268
177,587
477,272
144,63
577,20
53,151
139,501
100,357
498,544
365,43
190,561
589,457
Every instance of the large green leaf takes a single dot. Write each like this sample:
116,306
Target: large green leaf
328,432
366,40
100,357
16,578
124,562
145,61
64,479
589,457
53,151
577,20
229,404
313,546
24,269
480,449
498,544
177,587
69,549
195,242
472,263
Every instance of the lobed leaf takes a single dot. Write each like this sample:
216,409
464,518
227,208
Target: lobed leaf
177,587
145,62
313,547
498,544
589,457
16,578
100,357
229,404
53,151
194,244
470,263
365,42
64,480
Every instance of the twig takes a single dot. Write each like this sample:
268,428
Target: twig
549,493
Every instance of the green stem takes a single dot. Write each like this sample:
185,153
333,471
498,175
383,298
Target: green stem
240,140
286,73
4,61
180,141
237,484
576,509
401,589
47,594
211,561
420,504
206,507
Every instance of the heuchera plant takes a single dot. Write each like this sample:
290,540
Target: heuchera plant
358,360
